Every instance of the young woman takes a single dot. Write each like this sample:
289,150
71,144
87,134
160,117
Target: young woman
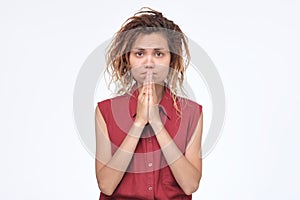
148,139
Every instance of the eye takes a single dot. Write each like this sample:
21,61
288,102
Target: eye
139,53
159,54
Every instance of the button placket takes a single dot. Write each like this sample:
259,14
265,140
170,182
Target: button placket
149,165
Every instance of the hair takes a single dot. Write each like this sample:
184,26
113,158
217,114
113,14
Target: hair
147,21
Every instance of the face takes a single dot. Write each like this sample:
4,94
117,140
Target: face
150,53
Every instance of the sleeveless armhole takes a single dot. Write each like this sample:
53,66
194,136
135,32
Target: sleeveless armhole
104,107
194,119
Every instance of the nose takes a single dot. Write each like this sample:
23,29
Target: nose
149,62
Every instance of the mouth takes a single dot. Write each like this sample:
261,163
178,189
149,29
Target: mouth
145,73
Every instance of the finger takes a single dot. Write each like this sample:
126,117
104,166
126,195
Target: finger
152,93
146,81
149,77
148,94
142,92
151,88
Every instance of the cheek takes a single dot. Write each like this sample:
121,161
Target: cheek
162,74
131,59
165,71
167,61
134,73
134,62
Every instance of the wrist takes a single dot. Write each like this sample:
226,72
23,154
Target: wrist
157,127
136,130
139,123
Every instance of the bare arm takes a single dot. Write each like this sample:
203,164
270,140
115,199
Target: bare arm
110,169
187,169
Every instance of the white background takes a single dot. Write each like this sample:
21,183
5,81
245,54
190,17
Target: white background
254,45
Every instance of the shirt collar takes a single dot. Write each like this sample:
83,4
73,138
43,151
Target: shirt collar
165,105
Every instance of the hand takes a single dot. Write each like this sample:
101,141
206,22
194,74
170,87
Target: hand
153,106
153,113
154,117
142,107
147,108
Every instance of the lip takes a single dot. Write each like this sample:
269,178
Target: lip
144,73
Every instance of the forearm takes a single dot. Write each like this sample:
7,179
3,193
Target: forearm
185,173
112,173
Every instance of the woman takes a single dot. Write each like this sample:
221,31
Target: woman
148,139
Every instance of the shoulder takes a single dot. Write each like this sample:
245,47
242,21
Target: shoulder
105,107
107,102
189,105
117,103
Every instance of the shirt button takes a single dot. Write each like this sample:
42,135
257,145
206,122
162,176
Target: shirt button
150,188
150,164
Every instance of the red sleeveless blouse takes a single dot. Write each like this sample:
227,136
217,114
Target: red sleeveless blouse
148,176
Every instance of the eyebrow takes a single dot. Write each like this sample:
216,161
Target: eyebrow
142,49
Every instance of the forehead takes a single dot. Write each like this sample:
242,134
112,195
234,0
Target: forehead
151,41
